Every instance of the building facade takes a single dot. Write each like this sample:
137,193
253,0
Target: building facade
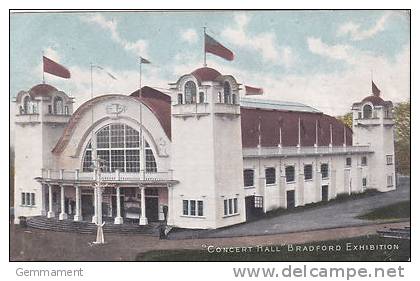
201,157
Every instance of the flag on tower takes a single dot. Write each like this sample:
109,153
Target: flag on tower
143,60
54,68
375,90
214,47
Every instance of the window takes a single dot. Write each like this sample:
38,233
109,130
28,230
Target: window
118,146
234,101
201,97
389,181
26,103
248,178
66,110
324,171
367,111
179,98
219,97
258,202
364,182
230,206
307,171
58,106
226,92
389,160
27,199
49,109
290,173
359,115
192,208
348,161
270,176
364,160
190,92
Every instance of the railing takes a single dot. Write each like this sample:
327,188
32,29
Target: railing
190,109
50,174
293,150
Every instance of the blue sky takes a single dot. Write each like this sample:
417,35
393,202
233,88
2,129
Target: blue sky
321,58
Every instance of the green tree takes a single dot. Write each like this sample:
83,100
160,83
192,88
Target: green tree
347,119
402,131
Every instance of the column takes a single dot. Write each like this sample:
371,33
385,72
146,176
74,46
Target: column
78,214
118,219
63,215
50,213
43,200
95,205
99,205
143,218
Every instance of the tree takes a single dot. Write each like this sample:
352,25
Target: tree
347,119
402,131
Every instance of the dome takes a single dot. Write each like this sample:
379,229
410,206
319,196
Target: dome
206,74
376,101
41,90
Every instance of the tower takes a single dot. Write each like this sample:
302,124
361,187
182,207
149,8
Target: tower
41,114
373,125
206,151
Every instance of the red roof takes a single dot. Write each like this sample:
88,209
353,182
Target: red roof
290,125
375,100
41,90
206,74
159,103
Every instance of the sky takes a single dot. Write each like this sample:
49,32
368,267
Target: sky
325,59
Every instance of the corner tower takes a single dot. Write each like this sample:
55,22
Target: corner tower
373,125
206,151
41,114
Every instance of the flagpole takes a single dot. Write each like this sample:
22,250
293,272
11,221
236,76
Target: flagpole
142,159
204,46
43,73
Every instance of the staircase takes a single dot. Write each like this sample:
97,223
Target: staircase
84,227
399,233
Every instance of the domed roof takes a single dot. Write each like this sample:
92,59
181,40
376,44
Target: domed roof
206,74
41,90
375,100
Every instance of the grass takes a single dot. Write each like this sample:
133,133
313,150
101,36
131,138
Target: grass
342,197
400,252
394,211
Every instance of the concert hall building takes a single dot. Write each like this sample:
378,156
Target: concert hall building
199,157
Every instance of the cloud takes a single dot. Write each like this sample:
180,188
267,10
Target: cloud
52,53
264,43
336,52
189,35
355,30
138,48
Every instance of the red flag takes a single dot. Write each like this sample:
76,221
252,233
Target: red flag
375,90
214,47
252,91
54,68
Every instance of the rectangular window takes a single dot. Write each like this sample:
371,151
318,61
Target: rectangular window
32,199
192,208
270,176
307,171
28,199
364,182
248,178
389,181
348,161
359,115
185,207
324,171
364,160
230,206
179,98
389,160
49,109
23,201
258,202
200,208
201,97
290,173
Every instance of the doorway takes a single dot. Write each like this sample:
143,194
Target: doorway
87,205
290,197
152,209
324,193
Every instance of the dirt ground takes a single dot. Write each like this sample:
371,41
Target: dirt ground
27,244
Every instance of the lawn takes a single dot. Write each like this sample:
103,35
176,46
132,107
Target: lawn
400,252
398,210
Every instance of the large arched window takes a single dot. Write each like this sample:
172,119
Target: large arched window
58,105
190,92
226,92
367,111
118,145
